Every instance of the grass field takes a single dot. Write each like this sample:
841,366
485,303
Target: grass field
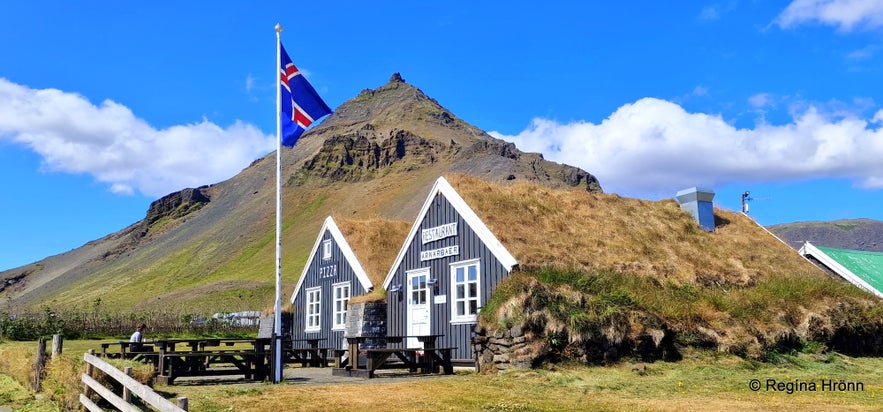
703,381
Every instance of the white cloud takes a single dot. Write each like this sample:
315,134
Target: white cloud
653,148
864,53
709,13
760,100
845,14
108,142
249,83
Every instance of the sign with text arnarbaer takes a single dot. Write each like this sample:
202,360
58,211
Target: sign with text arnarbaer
439,253
439,232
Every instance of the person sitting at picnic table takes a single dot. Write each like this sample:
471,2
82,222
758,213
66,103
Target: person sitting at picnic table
137,339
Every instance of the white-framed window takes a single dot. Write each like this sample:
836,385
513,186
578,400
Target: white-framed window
341,294
314,309
326,249
465,291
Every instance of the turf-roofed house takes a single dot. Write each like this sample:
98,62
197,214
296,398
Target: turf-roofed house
348,259
861,268
444,273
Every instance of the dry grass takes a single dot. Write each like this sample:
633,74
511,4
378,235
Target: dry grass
17,360
708,382
704,381
602,265
574,229
62,383
375,242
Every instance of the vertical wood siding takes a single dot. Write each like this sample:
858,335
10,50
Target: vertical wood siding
333,338
471,247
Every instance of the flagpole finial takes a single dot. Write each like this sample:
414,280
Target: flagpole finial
278,28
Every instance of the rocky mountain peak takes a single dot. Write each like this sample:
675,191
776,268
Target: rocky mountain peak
396,78
398,128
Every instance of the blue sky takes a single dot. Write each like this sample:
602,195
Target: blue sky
106,106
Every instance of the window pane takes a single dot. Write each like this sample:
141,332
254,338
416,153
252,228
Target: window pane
473,290
473,272
473,307
460,292
461,308
459,274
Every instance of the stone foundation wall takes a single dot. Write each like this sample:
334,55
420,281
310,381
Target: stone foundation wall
513,348
502,350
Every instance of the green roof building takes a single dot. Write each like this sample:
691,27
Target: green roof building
861,268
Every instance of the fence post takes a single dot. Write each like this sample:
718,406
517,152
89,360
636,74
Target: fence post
182,403
57,345
127,394
89,371
40,365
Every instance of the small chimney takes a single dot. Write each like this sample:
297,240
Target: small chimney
698,203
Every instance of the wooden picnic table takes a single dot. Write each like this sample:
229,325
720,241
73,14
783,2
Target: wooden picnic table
129,350
173,358
201,354
197,344
428,359
311,355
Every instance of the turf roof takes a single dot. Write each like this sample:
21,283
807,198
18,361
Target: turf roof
572,228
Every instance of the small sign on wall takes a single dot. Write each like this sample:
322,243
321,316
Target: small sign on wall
328,271
439,299
439,253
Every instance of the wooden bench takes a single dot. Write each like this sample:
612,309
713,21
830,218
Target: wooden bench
172,365
316,357
338,356
431,360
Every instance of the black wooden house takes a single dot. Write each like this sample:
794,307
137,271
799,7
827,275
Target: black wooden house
444,273
330,277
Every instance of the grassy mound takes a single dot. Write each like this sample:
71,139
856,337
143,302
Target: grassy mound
603,315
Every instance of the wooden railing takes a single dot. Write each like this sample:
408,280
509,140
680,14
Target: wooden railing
130,386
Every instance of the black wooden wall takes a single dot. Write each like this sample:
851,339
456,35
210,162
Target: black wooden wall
333,338
471,247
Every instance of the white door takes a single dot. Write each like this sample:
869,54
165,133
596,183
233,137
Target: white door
418,305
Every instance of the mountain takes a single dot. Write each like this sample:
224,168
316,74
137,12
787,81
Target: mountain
212,248
856,234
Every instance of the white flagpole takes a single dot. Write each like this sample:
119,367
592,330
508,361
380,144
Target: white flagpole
277,331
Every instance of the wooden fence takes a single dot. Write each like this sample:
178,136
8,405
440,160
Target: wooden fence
130,386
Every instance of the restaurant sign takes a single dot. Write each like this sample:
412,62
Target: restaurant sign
439,232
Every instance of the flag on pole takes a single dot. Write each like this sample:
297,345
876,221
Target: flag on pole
300,104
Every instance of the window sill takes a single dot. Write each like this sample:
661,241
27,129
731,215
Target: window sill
463,321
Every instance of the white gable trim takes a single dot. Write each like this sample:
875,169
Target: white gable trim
348,254
811,250
487,237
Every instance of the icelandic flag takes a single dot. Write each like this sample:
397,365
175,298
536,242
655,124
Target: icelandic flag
301,105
